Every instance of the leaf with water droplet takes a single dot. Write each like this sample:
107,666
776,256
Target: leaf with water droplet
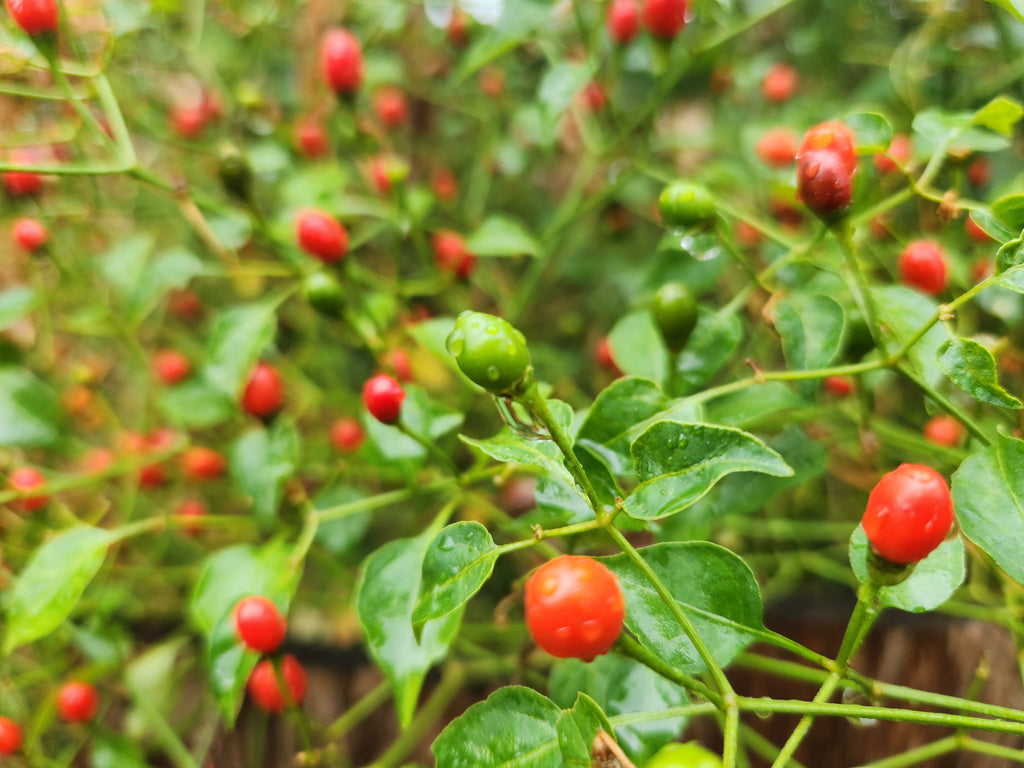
457,564
678,463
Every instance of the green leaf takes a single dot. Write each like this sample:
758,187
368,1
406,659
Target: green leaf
812,334
110,750
902,311
988,496
227,576
559,86
261,461
759,405
49,588
15,303
712,586
172,269
511,448
872,130
577,728
713,343
999,115
1009,211
29,411
386,594
637,346
933,581
514,728
679,463
1008,258
622,686
1015,7
420,414
458,563
124,265
341,534
516,25
237,338
622,405
972,368
938,126
195,404
501,235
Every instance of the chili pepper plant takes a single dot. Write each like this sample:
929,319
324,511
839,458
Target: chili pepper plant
529,352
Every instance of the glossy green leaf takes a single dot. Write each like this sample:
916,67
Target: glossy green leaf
458,563
1016,7
901,312
425,416
30,413
622,686
713,343
514,728
501,235
972,368
872,131
812,334
933,581
679,463
15,303
511,448
111,750
637,346
999,115
1009,211
988,496
1010,256
49,587
937,125
755,406
227,576
710,584
261,461
622,405
518,21
237,338
195,404
386,595
577,728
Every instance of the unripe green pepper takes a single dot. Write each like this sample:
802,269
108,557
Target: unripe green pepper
684,203
490,352
689,755
235,173
324,293
674,310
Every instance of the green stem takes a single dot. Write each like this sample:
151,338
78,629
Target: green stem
919,755
430,447
358,711
628,646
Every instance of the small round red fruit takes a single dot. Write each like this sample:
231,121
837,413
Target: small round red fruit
834,137
623,21
347,435
777,147
10,736
266,692
979,172
311,139
780,83
457,31
664,18
189,120
391,106
259,625
321,236
896,156
396,361
574,607
909,513
191,510
264,393
77,702
30,234
35,17
604,357
383,398
824,183
341,61
922,265
944,430
201,463
27,481
839,386
444,184
22,183
975,232
451,254
171,367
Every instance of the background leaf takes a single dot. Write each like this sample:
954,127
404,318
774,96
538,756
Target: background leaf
29,411
811,328
261,461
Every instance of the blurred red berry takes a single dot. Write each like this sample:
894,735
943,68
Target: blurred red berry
28,481
191,509
34,16
664,18
451,254
30,234
383,398
311,138
593,97
264,689
321,235
458,28
777,147
623,21
77,702
96,460
896,156
259,625
341,60
780,83
944,430
979,172
264,392
201,463
492,81
170,366
189,120
10,736
444,184
347,435
838,386
396,361
922,265
976,233
391,106
184,303
22,183
604,358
